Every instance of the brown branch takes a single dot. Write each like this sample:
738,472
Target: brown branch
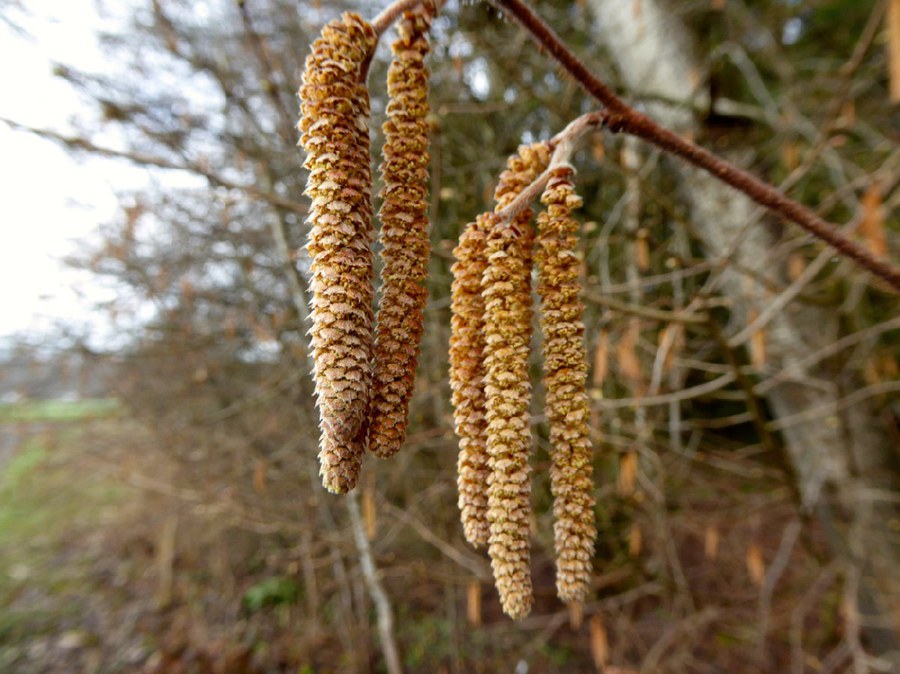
269,85
393,11
619,117
146,160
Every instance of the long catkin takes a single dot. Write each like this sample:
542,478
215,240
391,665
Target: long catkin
506,290
404,234
335,134
467,378
565,373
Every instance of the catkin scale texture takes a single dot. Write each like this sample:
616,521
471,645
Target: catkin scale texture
404,234
565,373
506,292
467,378
335,134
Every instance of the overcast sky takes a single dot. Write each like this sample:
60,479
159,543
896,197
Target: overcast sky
49,199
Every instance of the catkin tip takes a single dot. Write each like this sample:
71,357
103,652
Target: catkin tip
334,130
565,372
404,234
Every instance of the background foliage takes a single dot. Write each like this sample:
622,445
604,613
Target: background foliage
704,563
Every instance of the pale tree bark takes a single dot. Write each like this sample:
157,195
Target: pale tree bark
840,456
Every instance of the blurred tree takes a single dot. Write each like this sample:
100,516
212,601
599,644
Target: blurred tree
721,342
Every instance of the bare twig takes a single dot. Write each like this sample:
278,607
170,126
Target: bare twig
376,589
141,159
776,570
563,145
393,11
832,408
621,118
287,120
475,565
684,394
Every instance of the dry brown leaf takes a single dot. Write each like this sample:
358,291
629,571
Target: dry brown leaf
576,614
637,9
628,465
473,603
598,149
259,476
635,540
889,366
458,67
848,113
599,643
370,514
757,341
871,224
671,338
718,4
790,155
796,265
642,250
601,359
756,567
627,358
711,543
893,31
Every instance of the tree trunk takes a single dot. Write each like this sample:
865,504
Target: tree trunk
841,455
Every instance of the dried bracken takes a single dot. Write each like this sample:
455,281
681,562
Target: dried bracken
565,373
404,234
506,290
335,135
467,378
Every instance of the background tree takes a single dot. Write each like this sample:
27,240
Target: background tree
719,340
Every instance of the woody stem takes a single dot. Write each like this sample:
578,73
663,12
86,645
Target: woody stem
619,117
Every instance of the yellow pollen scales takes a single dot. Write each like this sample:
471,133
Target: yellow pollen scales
335,135
404,235
365,374
565,372
467,378
506,291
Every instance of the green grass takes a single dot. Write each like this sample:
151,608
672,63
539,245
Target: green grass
60,410
49,503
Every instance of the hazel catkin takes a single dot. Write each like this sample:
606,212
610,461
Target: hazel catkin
565,372
404,234
506,291
335,134
467,377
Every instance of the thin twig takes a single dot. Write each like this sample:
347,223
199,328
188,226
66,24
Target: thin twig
474,565
665,399
141,159
259,47
776,570
393,11
693,315
563,145
376,589
621,118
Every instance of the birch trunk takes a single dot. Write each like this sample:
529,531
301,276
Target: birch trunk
839,454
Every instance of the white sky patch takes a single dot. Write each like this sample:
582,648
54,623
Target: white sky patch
49,199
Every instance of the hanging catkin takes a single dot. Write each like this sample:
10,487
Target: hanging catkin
404,234
565,372
467,377
506,290
335,135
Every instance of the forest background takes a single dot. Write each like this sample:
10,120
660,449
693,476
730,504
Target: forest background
744,377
